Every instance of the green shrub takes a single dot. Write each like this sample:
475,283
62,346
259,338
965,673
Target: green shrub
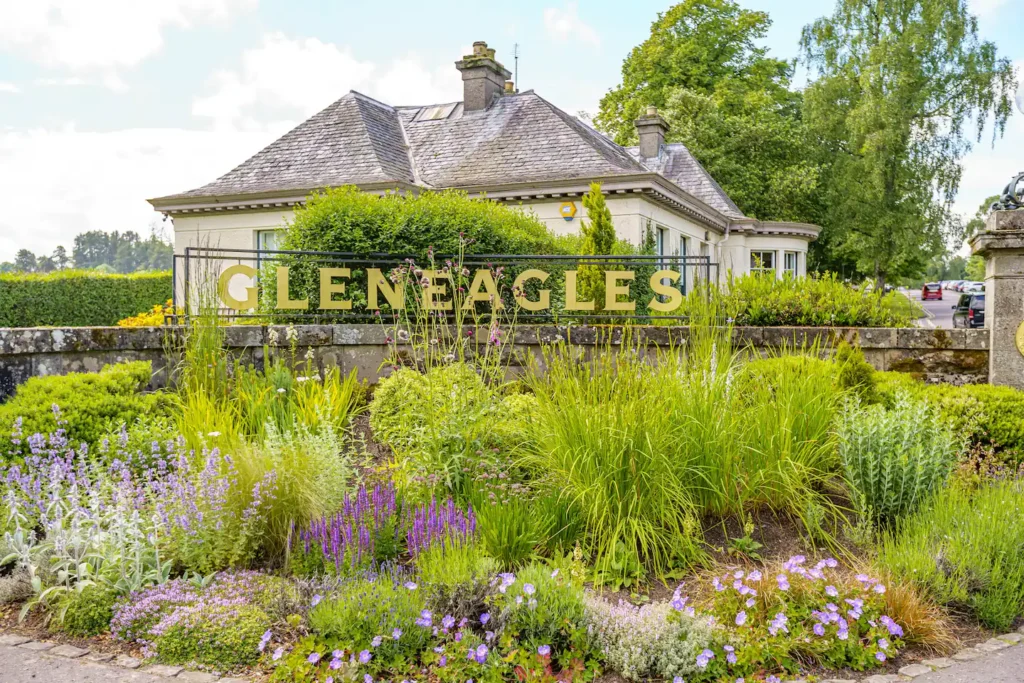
855,373
895,459
966,549
988,415
538,606
77,298
816,301
219,624
86,612
364,609
347,220
92,405
441,421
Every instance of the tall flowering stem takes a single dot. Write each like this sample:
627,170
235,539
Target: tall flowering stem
348,538
443,525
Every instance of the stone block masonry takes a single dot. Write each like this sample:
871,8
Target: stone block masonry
957,356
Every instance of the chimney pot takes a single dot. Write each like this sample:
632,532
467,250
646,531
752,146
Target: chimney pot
483,78
651,129
510,88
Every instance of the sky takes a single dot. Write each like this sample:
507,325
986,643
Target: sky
106,103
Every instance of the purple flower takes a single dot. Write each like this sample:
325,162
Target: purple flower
335,663
783,581
544,650
448,621
819,629
741,618
484,618
365,656
704,657
480,655
880,656
316,600
894,629
396,634
377,640
278,653
883,643
773,679
879,588
831,591
313,657
367,678
411,586
529,589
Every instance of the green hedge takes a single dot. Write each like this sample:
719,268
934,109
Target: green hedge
72,298
986,414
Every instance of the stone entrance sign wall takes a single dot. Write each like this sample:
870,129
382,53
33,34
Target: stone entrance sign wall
958,356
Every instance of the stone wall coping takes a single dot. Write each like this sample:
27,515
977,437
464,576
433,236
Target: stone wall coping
35,340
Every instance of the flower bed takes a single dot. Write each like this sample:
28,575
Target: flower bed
515,531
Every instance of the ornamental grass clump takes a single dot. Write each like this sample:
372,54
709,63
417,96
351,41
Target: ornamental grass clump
896,459
785,616
966,548
649,641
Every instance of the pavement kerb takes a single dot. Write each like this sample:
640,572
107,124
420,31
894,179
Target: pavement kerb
906,673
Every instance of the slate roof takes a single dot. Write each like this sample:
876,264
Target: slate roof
520,138
677,164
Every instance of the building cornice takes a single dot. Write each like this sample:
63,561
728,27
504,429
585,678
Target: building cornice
652,186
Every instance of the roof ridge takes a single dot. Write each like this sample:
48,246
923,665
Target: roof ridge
592,136
376,142
367,98
417,178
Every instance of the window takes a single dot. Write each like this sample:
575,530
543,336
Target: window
268,240
762,261
789,261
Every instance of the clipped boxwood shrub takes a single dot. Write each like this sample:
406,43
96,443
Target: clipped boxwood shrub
986,414
85,613
91,405
77,298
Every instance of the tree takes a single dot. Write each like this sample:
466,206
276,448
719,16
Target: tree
898,84
25,261
598,239
45,264
975,268
727,101
60,258
977,224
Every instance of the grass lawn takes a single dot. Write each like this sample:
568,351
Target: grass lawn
899,302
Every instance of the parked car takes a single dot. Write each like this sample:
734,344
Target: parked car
974,287
969,311
931,290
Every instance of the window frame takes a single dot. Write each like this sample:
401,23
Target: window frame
759,254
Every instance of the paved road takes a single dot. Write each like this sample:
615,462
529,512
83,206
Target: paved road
21,666
1006,666
941,311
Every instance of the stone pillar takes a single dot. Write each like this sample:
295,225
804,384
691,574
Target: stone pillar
1002,246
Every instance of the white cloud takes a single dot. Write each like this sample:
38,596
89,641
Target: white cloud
987,169
68,181
102,35
985,8
288,79
9,88
565,24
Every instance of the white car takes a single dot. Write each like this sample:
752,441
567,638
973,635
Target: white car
973,287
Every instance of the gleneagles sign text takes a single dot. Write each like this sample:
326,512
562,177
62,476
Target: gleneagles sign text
435,288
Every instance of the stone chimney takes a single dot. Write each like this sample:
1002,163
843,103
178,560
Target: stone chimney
651,128
483,78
